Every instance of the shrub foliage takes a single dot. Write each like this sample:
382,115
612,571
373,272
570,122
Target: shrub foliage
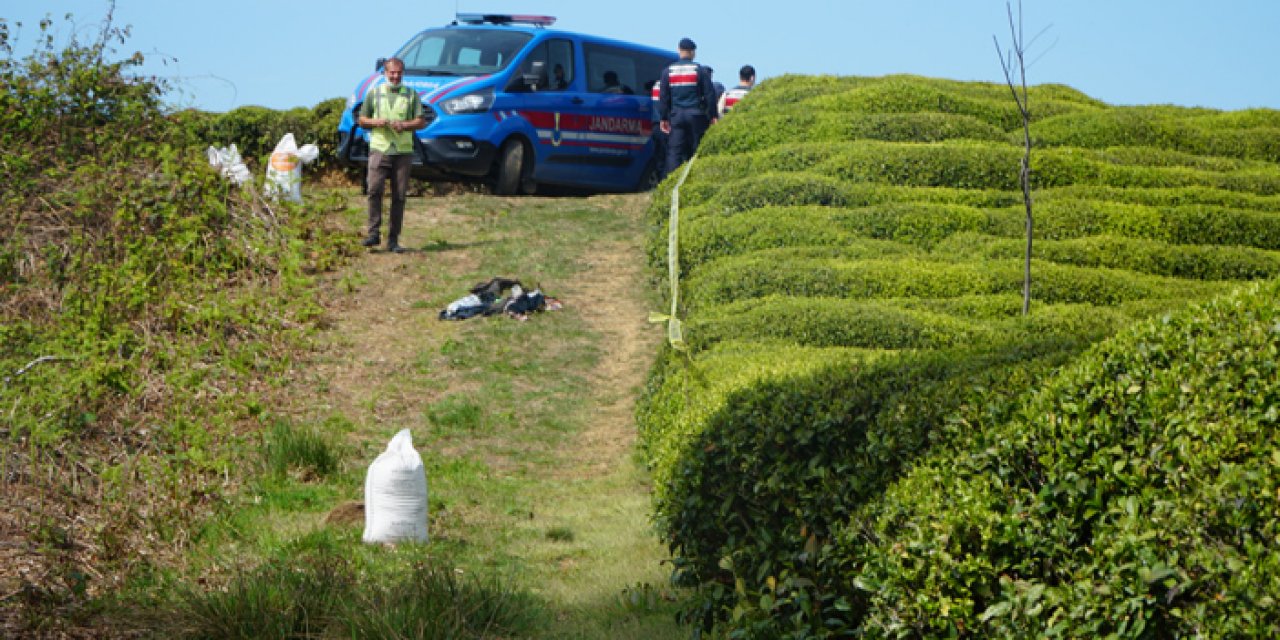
865,437
141,296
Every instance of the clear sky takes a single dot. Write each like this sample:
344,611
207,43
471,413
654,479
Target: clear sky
284,53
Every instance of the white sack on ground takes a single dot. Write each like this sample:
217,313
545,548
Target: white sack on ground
395,494
284,169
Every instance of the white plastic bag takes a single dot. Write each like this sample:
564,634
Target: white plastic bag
395,494
227,161
284,169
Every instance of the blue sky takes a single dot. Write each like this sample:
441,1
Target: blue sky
286,53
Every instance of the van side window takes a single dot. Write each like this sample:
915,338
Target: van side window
614,70
556,68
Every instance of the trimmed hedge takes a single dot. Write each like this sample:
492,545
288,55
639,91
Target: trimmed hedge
1202,262
968,164
792,272
854,258
1135,494
751,476
1141,126
1161,197
740,135
899,96
882,324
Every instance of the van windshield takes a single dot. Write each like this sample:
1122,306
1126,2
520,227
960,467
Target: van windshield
461,52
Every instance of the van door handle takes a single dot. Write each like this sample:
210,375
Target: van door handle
577,100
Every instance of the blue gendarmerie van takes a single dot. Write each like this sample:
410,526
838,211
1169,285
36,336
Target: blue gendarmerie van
511,102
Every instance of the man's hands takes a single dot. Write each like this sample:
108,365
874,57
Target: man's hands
394,125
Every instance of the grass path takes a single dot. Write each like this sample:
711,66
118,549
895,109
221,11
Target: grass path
526,428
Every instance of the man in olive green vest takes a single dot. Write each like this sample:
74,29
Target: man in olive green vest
391,112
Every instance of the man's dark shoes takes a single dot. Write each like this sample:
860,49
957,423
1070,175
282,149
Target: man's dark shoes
394,247
372,240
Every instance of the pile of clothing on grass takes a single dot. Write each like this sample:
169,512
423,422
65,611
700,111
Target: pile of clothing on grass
500,295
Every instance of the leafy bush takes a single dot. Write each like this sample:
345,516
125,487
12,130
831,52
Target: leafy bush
882,324
140,293
792,272
850,253
1134,493
1202,262
1142,126
755,464
256,130
738,135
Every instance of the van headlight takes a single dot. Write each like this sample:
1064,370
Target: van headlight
477,102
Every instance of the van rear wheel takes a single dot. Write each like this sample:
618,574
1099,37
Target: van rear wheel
511,169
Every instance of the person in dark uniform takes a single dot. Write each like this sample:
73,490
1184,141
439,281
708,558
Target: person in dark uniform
711,73
659,136
746,80
686,105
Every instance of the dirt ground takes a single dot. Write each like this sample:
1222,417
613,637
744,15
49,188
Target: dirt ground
374,328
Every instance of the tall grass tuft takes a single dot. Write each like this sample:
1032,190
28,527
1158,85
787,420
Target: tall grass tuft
438,602
287,448
331,595
280,599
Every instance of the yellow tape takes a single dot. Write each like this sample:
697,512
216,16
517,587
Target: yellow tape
675,328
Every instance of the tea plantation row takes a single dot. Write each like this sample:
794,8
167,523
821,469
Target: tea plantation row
866,437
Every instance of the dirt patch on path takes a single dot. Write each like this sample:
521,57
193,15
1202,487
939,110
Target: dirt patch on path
379,325
377,319
629,343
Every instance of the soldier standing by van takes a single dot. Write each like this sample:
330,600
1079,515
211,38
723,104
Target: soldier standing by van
746,80
391,113
686,105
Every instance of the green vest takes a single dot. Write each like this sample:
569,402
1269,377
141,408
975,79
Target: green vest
393,105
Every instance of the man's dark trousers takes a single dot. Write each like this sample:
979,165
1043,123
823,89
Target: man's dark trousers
381,168
687,127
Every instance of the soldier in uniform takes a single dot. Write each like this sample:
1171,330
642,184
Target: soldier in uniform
746,80
391,113
686,105
659,136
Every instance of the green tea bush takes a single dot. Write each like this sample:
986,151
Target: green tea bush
789,89
882,324
740,135
1201,262
915,224
1157,197
989,103
851,254
1141,126
1061,219
753,470
1133,494
967,164
792,272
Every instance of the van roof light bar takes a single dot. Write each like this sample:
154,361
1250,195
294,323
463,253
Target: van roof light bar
504,18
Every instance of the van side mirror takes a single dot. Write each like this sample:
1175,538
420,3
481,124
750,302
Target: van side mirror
377,66
536,75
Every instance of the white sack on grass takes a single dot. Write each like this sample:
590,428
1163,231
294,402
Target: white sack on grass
284,169
395,494
227,161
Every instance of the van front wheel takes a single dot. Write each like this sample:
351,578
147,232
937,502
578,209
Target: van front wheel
511,169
